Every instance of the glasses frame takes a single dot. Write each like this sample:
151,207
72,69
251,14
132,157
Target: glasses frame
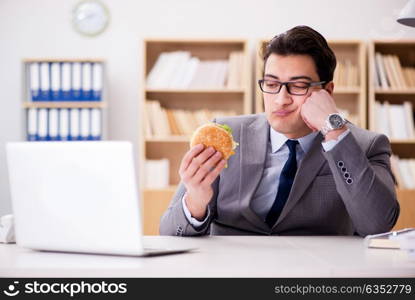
286,83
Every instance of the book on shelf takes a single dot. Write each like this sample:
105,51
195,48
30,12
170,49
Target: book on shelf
391,74
162,122
404,172
157,173
63,124
180,70
64,81
346,74
394,120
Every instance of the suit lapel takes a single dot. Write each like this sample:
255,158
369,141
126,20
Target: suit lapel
307,171
254,141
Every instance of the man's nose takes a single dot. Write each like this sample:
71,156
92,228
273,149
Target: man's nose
283,97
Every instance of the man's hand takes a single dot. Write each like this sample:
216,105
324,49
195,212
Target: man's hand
315,110
198,170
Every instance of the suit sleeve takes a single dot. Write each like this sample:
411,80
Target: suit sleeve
365,183
174,221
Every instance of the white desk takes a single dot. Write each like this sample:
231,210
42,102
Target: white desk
221,256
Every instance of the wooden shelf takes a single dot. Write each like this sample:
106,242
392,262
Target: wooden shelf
64,104
408,141
169,139
196,91
64,60
237,100
395,91
347,90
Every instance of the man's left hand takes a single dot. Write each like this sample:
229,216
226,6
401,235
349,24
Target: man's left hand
315,111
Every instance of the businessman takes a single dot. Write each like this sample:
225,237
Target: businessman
300,169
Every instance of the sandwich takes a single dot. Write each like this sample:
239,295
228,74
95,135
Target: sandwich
218,136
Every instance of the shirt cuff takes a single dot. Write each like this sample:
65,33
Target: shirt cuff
332,143
193,221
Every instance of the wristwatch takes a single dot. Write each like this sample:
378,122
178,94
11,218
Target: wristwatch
333,122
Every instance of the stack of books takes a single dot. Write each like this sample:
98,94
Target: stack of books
394,120
162,122
179,70
64,124
346,74
64,81
157,173
404,171
389,73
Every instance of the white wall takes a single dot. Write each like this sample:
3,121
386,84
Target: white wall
42,28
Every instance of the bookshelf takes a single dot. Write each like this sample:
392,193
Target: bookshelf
350,83
201,98
49,90
393,92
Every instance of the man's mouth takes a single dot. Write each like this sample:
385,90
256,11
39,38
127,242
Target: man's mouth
282,112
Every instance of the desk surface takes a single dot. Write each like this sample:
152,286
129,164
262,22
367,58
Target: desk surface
220,256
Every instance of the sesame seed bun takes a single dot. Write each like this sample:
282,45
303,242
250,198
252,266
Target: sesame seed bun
212,135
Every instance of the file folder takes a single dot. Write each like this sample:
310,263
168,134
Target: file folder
34,77
43,124
53,124
96,124
32,133
76,82
64,124
74,124
86,81
66,82
85,124
45,81
97,82
55,80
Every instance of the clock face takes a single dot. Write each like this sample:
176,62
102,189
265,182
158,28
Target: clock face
90,17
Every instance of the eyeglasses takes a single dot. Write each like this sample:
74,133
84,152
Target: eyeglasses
298,88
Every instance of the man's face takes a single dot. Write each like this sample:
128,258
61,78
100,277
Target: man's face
283,110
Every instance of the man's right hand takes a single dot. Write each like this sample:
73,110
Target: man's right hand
199,168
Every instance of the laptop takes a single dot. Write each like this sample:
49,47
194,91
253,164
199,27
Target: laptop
78,197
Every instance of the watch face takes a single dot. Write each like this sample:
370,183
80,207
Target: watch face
90,17
336,121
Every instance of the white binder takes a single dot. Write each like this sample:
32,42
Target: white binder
85,124
96,124
32,124
53,124
43,124
74,121
64,124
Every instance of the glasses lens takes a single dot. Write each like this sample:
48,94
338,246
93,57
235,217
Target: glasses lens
298,88
270,86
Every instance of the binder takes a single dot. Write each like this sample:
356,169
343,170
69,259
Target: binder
96,124
34,77
76,82
43,124
86,81
85,124
97,81
74,133
53,124
32,134
55,81
63,124
66,81
44,81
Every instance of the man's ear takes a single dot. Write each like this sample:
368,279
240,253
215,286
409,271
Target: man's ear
329,87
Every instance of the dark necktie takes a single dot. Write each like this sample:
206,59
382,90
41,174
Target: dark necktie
285,184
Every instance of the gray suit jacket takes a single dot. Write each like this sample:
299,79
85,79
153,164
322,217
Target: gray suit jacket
321,201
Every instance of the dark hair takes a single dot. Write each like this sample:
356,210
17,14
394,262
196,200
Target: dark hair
304,40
